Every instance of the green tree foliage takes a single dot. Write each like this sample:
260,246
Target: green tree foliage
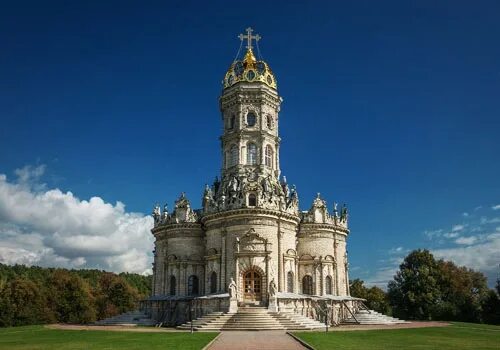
71,298
414,292
425,288
34,295
462,292
491,305
23,303
376,298
115,295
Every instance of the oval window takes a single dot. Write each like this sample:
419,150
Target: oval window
250,75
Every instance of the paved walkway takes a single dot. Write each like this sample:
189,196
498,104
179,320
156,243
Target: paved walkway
251,340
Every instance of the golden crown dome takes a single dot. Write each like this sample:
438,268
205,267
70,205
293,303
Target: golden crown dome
249,69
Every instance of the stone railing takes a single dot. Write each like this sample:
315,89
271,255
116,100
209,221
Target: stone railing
331,309
173,311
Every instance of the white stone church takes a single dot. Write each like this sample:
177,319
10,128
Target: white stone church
250,245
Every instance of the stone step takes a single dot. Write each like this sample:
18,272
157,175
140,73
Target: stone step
371,317
253,318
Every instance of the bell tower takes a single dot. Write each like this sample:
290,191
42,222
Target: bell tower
250,142
249,108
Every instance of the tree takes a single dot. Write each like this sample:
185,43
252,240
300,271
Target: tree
424,288
22,303
491,306
39,295
415,291
376,298
114,296
462,293
71,298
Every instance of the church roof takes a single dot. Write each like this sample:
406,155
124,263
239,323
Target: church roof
249,69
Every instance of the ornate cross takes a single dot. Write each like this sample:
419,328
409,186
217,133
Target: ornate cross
249,37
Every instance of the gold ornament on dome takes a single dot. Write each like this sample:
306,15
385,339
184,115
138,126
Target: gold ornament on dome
249,69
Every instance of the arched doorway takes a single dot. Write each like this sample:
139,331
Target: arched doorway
252,286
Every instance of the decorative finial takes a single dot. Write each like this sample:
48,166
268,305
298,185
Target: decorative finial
249,37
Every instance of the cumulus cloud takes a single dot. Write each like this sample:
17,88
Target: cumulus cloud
496,207
50,227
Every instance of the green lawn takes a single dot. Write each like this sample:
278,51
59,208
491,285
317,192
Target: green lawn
458,336
40,338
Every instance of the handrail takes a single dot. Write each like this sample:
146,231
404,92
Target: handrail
355,319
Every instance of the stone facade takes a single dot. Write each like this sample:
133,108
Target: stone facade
250,229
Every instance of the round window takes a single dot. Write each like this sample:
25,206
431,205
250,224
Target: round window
251,119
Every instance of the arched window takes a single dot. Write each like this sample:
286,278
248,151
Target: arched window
269,156
289,282
307,285
251,119
172,285
328,285
234,154
213,282
251,154
193,285
232,122
252,200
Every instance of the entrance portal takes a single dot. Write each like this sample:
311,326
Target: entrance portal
252,283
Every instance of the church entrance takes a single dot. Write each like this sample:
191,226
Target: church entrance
252,287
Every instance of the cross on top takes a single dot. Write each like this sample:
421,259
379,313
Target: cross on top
249,37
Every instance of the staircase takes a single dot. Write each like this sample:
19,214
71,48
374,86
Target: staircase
371,317
131,318
252,319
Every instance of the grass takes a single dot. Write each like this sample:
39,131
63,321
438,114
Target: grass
458,336
41,338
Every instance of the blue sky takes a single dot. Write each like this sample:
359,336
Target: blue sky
391,107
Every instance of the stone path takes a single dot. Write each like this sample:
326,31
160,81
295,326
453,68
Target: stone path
262,340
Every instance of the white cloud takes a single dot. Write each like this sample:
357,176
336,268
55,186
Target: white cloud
483,256
451,234
55,228
431,234
496,207
484,220
466,240
475,243
465,214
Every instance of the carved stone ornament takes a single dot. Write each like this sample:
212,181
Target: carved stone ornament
251,241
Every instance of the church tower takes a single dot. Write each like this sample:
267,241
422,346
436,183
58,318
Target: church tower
250,141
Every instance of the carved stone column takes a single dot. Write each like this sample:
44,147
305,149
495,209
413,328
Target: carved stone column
280,260
336,266
223,261
315,278
183,279
165,277
322,282
347,277
296,276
